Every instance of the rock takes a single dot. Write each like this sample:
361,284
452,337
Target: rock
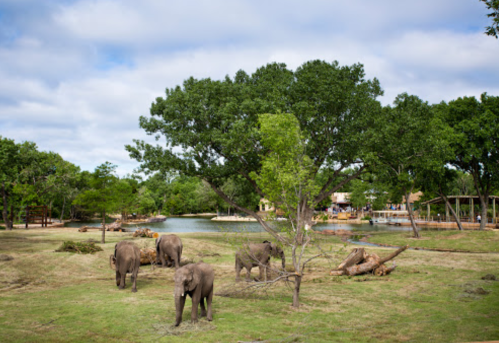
4,258
491,277
157,219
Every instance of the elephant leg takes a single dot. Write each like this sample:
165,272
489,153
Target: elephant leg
122,280
248,273
179,302
134,281
177,261
203,309
260,272
239,267
118,278
194,312
163,261
168,261
209,298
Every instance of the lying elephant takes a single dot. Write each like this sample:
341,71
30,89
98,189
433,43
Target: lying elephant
171,246
195,280
257,254
126,259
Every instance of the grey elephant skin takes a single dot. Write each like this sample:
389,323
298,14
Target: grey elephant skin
126,259
257,255
171,247
195,280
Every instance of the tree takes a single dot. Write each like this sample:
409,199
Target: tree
9,168
101,197
409,142
493,5
213,126
475,140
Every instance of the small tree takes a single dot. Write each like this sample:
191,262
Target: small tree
287,178
101,197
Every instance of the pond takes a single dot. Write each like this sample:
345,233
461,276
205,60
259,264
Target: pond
201,224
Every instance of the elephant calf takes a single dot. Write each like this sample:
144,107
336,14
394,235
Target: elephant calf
171,247
195,280
257,255
126,259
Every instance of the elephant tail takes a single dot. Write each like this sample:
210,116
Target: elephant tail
157,245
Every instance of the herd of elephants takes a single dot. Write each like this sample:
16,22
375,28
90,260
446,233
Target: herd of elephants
194,279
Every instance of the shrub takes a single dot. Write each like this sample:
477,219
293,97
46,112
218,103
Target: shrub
79,247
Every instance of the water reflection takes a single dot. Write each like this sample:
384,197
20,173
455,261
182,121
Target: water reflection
199,224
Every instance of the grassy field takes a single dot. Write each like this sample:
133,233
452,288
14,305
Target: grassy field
475,241
48,296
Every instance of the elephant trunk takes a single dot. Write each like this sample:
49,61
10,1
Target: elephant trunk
179,309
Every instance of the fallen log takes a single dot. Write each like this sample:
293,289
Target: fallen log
147,256
359,262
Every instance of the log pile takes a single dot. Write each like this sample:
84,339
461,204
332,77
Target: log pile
143,232
360,262
147,256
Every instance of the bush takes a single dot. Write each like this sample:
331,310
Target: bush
366,218
79,247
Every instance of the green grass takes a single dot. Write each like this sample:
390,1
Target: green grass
475,241
62,297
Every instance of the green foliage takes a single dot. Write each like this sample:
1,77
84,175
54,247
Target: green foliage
79,247
493,5
286,175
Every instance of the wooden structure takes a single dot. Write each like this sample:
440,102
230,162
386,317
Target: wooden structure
457,201
37,215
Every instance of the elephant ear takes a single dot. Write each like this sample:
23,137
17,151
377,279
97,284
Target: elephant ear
275,250
112,262
196,279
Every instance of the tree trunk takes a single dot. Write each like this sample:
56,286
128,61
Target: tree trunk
296,292
8,223
411,217
63,205
357,255
371,262
103,239
458,221
484,200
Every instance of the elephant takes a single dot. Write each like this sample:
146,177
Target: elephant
126,259
171,246
257,254
195,280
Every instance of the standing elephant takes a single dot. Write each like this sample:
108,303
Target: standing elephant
257,254
171,246
126,259
195,280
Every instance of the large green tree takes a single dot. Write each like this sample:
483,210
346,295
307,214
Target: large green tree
475,142
9,169
410,141
211,127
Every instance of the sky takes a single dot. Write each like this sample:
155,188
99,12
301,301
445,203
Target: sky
75,76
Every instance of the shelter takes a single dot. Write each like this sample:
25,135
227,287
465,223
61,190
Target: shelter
457,201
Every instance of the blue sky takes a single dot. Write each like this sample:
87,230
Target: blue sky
76,75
